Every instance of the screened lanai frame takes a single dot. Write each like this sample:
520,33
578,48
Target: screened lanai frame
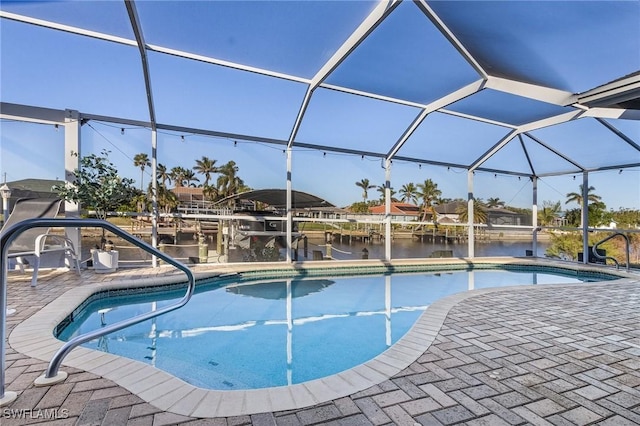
489,90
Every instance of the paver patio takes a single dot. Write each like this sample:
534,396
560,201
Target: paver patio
542,355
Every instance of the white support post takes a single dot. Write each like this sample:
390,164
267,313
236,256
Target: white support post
154,194
387,309
387,210
471,280
289,206
72,148
534,213
585,217
470,218
289,310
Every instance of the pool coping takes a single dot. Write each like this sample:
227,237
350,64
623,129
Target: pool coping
34,338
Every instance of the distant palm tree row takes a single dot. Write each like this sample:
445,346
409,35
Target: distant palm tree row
428,194
409,193
227,183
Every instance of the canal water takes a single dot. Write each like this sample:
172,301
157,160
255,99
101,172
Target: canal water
408,248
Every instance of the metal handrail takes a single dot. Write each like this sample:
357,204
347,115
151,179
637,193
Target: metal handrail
594,249
11,233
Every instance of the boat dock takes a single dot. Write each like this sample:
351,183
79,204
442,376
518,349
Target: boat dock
445,236
350,235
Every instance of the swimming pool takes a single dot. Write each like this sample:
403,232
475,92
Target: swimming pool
252,333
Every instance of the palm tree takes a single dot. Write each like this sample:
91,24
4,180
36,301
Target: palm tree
163,174
548,213
190,176
366,186
140,201
177,175
409,193
429,193
141,160
205,166
228,182
495,202
577,197
479,212
210,192
167,200
381,190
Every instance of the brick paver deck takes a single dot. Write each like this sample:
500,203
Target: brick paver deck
544,355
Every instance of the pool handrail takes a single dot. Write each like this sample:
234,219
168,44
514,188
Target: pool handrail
594,249
51,375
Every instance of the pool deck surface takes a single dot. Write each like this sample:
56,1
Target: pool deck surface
541,355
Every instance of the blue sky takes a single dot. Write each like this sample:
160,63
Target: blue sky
402,58
331,176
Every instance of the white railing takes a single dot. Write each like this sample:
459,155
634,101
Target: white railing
52,375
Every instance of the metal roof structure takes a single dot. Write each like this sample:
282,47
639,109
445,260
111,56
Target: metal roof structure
277,198
551,86
520,88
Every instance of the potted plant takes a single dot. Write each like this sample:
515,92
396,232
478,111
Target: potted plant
98,187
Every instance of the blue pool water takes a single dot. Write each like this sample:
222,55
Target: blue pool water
249,335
